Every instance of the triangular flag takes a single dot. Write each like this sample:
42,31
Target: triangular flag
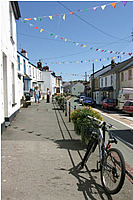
56,36
50,17
51,34
86,10
41,30
31,24
77,43
26,19
29,19
103,7
71,13
64,16
94,8
65,40
61,38
124,3
81,45
113,4
84,46
35,19
39,18
36,27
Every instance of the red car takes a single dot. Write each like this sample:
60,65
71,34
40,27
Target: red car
128,108
108,103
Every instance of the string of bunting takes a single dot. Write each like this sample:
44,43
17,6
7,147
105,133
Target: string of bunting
55,72
84,61
72,12
63,73
76,43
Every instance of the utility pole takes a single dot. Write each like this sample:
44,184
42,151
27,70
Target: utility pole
92,89
85,76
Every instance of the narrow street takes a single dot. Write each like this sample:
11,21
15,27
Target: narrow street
40,156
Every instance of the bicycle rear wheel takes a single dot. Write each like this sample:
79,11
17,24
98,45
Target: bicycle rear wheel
113,171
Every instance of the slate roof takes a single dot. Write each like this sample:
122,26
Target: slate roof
118,67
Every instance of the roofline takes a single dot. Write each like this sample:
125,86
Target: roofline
22,55
16,9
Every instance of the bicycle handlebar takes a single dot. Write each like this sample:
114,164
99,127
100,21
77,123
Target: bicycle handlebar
101,122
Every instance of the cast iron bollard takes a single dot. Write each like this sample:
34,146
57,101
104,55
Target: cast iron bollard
69,111
65,108
63,105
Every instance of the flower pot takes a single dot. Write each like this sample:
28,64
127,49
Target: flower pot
77,129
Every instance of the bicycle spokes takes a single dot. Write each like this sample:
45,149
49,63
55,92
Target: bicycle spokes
112,171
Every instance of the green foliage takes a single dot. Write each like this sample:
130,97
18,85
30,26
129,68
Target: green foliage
84,126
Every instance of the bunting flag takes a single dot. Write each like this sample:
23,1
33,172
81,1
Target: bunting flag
113,4
103,7
72,12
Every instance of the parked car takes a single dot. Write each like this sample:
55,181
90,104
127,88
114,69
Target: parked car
81,99
108,103
128,108
87,101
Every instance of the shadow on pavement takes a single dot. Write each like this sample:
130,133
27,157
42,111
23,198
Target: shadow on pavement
70,144
89,187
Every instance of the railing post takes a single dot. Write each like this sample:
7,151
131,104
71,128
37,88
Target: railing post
69,111
65,108
63,105
75,107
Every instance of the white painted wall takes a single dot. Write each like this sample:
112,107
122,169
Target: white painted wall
8,61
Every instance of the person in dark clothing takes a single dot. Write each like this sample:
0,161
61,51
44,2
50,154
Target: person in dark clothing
48,95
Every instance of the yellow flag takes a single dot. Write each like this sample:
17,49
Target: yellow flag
51,17
65,40
64,16
84,46
41,30
26,19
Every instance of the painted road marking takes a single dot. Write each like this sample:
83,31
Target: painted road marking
114,119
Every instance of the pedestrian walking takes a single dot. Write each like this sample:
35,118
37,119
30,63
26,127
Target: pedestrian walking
37,94
48,95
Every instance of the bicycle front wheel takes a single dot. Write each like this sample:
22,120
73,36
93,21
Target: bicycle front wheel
113,171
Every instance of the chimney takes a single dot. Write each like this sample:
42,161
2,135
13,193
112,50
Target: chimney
112,64
24,53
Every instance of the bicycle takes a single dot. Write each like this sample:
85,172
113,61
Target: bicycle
111,161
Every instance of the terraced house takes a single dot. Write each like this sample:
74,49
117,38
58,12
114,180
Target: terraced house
9,98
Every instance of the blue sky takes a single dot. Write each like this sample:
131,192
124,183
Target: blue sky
85,31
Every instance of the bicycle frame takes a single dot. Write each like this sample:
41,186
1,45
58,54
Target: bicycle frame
101,136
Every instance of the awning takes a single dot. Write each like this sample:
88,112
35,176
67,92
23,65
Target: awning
109,89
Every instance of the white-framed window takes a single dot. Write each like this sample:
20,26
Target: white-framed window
13,85
105,81
11,23
130,74
122,76
102,82
111,79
